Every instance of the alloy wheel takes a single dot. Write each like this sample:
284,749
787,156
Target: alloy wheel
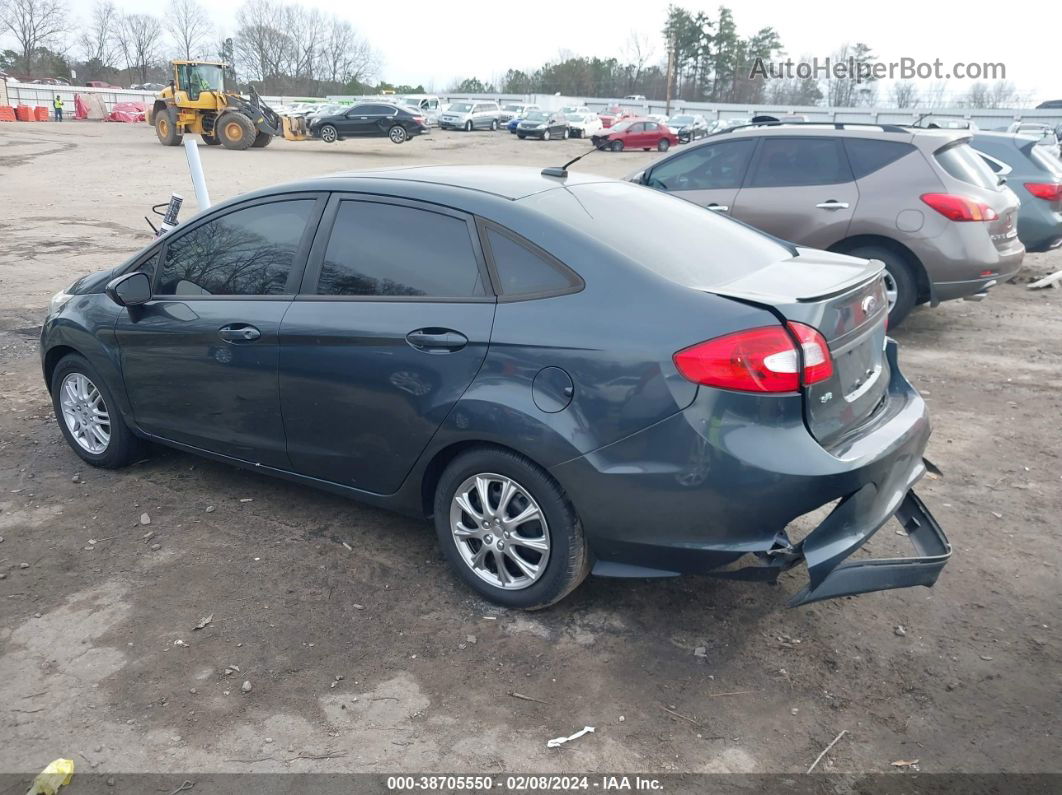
328,134
891,290
500,531
85,413
398,134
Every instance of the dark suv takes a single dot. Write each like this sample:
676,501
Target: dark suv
921,201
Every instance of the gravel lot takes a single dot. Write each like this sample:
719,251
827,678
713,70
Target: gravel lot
364,654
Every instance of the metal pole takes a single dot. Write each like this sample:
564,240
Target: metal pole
195,168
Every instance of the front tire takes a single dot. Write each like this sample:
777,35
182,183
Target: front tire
468,126
210,140
546,135
494,126
235,131
508,529
262,140
397,134
616,146
88,415
329,134
567,132
901,286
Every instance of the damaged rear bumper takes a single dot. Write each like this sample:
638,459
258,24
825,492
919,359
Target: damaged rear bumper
720,483
882,574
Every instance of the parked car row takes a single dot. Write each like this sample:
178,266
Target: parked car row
950,213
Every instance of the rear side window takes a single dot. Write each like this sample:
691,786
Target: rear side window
788,162
965,165
524,272
867,155
715,166
393,250
246,252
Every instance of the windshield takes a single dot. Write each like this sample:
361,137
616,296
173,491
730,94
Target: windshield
198,78
681,119
621,126
536,115
675,238
461,107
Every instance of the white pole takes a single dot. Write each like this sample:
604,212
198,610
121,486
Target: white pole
195,168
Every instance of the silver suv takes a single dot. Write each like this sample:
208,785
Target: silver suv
469,116
921,201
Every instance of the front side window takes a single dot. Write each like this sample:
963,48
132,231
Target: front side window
788,162
245,252
395,250
713,167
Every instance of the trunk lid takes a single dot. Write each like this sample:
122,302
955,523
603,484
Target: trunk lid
844,299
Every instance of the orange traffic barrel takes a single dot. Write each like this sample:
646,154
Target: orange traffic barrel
41,113
24,113
7,113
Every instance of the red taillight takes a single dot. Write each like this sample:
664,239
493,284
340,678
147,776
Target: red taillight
959,208
419,119
1051,191
758,360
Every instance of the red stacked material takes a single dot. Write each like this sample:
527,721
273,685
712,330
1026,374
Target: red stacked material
24,113
80,108
41,113
127,112
7,113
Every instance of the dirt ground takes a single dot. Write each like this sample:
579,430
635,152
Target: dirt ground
363,653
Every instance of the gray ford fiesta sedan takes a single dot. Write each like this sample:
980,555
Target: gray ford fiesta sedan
568,374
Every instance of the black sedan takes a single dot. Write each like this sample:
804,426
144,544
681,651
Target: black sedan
369,120
543,124
445,341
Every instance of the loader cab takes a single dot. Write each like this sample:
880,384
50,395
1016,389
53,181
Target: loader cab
198,83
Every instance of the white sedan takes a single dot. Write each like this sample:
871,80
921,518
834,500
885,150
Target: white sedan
584,125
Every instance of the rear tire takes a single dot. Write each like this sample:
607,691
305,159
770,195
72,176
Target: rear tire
616,146
166,128
663,145
122,446
235,131
397,134
262,140
900,282
567,559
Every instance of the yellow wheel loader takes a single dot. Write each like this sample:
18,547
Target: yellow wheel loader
202,99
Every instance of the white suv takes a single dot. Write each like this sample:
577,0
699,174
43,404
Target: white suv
467,116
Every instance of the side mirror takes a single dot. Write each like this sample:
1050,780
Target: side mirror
1002,180
131,289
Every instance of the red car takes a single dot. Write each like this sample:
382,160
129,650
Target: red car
636,134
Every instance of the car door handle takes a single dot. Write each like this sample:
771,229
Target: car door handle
832,204
719,208
437,340
239,332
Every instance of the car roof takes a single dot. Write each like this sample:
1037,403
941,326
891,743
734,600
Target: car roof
508,182
932,138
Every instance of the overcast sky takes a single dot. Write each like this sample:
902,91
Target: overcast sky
434,41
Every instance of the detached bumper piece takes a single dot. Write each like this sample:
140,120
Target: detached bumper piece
881,574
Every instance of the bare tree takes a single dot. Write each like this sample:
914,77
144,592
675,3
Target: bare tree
34,24
905,94
261,43
189,25
638,51
139,37
346,56
97,38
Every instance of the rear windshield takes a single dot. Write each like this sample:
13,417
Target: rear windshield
1047,159
962,162
675,238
